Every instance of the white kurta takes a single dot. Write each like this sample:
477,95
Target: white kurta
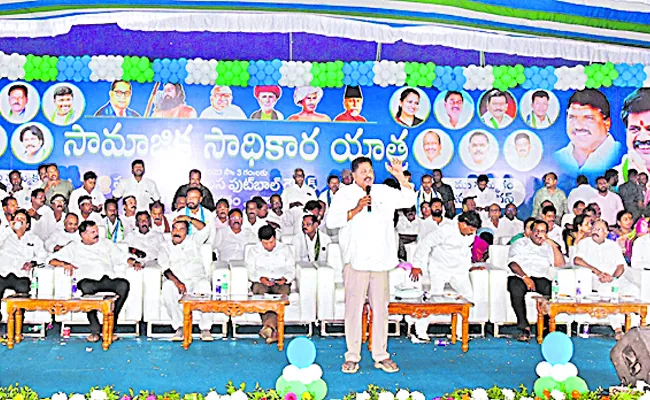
144,191
97,197
14,252
306,247
61,238
534,260
276,264
231,245
93,261
204,215
150,243
45,225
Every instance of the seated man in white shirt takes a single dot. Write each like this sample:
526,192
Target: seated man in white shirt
509,225
9,208
89,188
271,269
159,221
58,205
298,194
554,231
312,245
605,260
446,253
252,221
231,240
333,183
115,231
86,211
179,203
263,214
143,188
407,230
63,237
567,219
221,212
20,251
92,262
194,210
286,218
42,216
493,218
144,243
130,205
531,260
182,264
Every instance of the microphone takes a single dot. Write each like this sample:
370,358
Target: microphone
368,193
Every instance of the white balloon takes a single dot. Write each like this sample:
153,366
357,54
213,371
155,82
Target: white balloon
393,67
299,82
189,80
571,370
315,371
205,80
559,373
544,369
291,373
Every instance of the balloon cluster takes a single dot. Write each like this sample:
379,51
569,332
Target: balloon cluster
328,74
420,74
357,73
449,78
12,66
630,75
264,72
166,70
302,375
539,78
137,69
295,73
41,68
73,69
106,68
233,73
571,78
600,75
389,73
508,77
557,373
201,72
479,78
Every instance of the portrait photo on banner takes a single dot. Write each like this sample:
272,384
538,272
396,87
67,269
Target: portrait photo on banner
410,107
19,102
497,109
32,143
478,150
63,104
539,108
454,109
433,148
523,150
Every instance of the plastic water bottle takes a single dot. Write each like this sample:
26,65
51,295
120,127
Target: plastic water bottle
615,290
224,286
579,291
555,290
441,342
218,287
33,290
75,291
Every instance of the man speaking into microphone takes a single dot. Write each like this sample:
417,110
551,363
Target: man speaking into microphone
364,213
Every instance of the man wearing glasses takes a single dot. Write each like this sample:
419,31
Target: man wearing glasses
119,101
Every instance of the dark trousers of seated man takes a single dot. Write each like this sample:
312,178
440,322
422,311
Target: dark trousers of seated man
518,289
119,286
11,281
270,318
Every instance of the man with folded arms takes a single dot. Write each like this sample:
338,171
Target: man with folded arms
63,237
144,243
20,251
271,269
182,265
531,260
605,260
93,263
230,241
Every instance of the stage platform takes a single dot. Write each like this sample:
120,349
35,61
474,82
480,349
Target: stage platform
50,366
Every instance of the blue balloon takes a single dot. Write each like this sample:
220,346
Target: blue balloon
165,74
260,75
86,59
174,66
446,78
641,76
253,81
277,75
364,81
69,72
347,80
301,352
528,73
557,348
348,68
173,78
355,75
85,72
439,70
458,71
527,84
61,65
438,82
543,73
536,79
69,60
268,70
61,77
448,69
276,63
182,74
157,66
633,82
260,64
363,69
452,86
269,81
252,69
77,77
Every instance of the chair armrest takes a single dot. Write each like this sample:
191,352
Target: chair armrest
307,278
325,291
152,277
239,284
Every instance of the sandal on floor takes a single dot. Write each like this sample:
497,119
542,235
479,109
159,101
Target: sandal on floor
266,332
387,365
93,338
273,338
618,334
350,367
524,336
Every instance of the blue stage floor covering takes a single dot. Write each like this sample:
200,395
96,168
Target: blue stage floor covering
159,365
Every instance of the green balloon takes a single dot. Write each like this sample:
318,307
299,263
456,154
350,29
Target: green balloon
411,81
318,389
598,76
235,81
331,76
609,65
149,75
497,72
315,69
589,71
331,67
575,383
45,66
545,383
423,69
607,82
512,72
521,78
431,76
519,68
613,74
36,61
407,68
236,69
424,82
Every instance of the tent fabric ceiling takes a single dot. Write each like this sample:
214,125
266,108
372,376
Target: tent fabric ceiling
583,30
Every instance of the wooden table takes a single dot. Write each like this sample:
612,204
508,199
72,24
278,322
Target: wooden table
436,305
597,309
16,305
232,306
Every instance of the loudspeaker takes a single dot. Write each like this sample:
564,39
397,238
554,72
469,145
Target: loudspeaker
631,356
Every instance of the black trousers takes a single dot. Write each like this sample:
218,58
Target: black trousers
119,286
518,290
11,281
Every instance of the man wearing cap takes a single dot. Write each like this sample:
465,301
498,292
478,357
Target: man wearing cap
352,102
308,98
267,97
221,106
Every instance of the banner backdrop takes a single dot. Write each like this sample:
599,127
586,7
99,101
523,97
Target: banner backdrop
248,140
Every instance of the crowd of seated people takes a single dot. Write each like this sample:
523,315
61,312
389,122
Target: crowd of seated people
80,229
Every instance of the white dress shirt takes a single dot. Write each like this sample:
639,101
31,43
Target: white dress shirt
129,224
368,239
14,252
306,247
144,191
184,259
605,156
446,250
61,238
204,215
489,120
45,225
508,229
534,260
150,243
556,235
582,192
567,219
326,197
610,205
641,253
286,221
277,264
98,199
94,217
161,228
605,256
230,245
259,222
24,198
93,261
406,227
483,198
429,225
295,193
